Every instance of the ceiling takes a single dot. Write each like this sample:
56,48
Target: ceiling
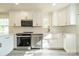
45,7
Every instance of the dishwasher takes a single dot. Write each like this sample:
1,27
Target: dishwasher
36,41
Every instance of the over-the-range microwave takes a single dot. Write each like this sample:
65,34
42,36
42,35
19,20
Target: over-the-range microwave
26,23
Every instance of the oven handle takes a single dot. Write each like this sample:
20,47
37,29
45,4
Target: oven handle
23,36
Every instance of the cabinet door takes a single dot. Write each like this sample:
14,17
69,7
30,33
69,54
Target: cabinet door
72,14
40,19
77,19
52,43
37,19
30,16
55,19
70,43
62,17
57,41
15,19
12,19
59,18
60,41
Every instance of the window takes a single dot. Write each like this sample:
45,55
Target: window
4,29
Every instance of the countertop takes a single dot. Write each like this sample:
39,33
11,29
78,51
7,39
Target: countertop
37,33
30,33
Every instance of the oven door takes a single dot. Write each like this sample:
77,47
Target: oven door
23,41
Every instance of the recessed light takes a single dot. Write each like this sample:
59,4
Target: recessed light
17,3
54,4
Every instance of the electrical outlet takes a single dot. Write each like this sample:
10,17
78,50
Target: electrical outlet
0,45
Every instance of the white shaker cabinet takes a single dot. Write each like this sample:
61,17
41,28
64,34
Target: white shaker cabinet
72,14
59,18
70,43
62,17
16,17
55,18
57,41
53,40
65,16
37,19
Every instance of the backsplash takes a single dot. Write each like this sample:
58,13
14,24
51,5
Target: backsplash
14,30
55,29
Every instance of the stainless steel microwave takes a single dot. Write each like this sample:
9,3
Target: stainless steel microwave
26,23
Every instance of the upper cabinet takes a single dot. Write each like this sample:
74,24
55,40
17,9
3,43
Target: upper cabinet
55,18
62,17
77,13
37,19
65,16
59,18
17,16
71,14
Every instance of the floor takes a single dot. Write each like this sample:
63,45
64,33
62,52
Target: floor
40,52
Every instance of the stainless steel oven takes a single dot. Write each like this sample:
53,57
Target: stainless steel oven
23,40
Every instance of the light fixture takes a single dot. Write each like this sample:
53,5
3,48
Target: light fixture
54,4
16,3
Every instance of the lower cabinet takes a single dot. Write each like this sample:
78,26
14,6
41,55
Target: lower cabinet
70,44
53,41
36,41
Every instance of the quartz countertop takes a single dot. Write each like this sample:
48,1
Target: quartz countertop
37,33
30,33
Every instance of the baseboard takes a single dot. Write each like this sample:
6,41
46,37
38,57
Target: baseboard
54,48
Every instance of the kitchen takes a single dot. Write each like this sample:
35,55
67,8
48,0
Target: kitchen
50,27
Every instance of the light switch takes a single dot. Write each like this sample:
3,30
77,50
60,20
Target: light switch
0,45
